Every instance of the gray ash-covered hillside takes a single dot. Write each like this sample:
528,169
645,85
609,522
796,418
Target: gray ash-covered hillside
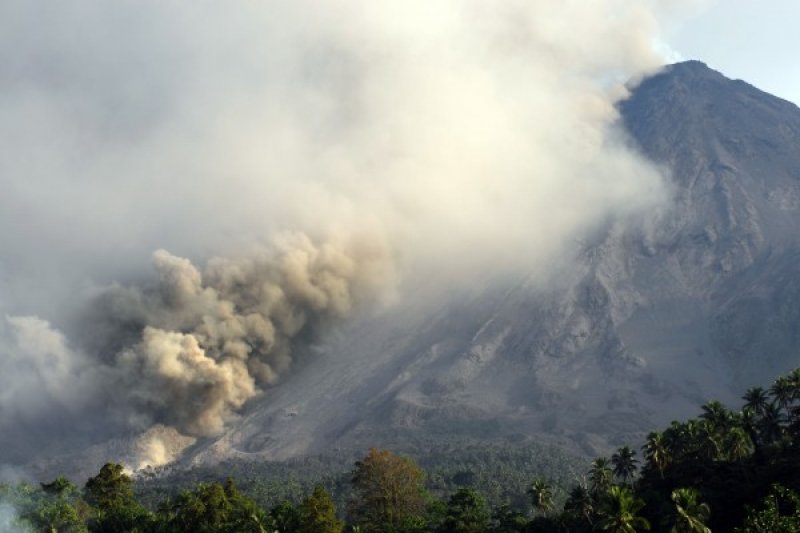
698,301
734,155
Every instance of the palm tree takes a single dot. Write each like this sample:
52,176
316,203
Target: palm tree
737,444
683,440
624,461
618,512
600,476
794,395
750,422
690,515
770,429
709,441
794,380
541,494
580,501
655,452
782,391
693,433
716,414
756,399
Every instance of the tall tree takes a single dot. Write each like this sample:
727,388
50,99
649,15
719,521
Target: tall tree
387,492
619,510
318,513
691,516
709,440
756,399
541,495
285,517
737,444
750,422
716,414
110,493
656,452
217,508
782,392
109,488
624,461
466,513
770,426
580,504
54,508
600,476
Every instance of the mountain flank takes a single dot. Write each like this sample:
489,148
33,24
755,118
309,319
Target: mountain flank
657,317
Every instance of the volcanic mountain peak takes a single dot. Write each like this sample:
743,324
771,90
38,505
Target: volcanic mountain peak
650,324
689,109
654,319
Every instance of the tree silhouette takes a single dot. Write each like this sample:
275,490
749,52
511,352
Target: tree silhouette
109,488
756,399
717,415
580,503
691,516
110,493
624,461
782,392
656,452
770,428
600,476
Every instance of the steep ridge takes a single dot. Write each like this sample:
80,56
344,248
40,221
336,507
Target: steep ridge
693,304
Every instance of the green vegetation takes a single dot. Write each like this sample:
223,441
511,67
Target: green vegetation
501,471
726,470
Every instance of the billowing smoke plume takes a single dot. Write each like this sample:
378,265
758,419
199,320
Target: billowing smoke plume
188,351
462,137
210,342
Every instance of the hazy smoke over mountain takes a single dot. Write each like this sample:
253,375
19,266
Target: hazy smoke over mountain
392,140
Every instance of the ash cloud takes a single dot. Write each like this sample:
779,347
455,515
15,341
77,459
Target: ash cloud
186,352
209,342
387,144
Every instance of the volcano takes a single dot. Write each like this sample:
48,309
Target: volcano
695,303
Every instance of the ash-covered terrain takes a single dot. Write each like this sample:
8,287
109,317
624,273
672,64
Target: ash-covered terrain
693,303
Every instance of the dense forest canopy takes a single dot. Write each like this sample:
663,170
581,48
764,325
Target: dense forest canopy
726,470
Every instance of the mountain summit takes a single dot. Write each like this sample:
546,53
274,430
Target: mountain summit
733,152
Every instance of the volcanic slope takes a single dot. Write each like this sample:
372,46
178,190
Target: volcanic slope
695,303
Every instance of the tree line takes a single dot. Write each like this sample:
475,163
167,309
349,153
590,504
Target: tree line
726,470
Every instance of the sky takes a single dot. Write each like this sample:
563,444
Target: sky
754,41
